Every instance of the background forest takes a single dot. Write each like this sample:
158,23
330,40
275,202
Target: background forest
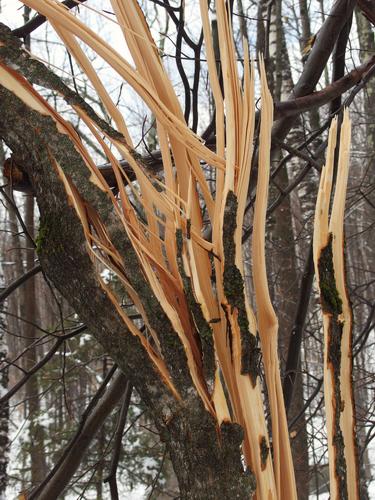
58,392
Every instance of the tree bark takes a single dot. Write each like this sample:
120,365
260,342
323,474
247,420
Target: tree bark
361,253
207,462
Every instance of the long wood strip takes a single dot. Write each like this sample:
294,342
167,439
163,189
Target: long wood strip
267,320
337,320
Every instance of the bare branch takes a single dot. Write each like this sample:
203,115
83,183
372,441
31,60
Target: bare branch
111,478
95,414
18,282
40,364
38,20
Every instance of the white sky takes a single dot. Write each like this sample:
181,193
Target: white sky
11,13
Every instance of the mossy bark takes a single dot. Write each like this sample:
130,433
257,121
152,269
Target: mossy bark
332,307
235,292
207,460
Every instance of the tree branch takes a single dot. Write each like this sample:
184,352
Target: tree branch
18,282
92,419
317,60
38,20
294,107
111,478
40,364
296,335
368,9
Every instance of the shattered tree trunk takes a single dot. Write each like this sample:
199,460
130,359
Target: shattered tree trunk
187,429
202,327
337,319
200,457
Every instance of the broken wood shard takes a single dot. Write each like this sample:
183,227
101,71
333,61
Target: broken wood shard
337,318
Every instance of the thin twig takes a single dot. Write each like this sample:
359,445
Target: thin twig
18,282
111,478
40,364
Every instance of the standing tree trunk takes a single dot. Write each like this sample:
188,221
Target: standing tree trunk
33,402
4,377
283,259
361,252
4,413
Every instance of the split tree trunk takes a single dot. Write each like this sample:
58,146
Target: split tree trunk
207,463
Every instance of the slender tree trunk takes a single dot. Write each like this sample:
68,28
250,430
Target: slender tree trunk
36,432
57,484
286,273
4,415
4,377
12,268
102,441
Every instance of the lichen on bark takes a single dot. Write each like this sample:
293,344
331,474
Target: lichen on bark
235,292
332,307
191,434
331,301
203,327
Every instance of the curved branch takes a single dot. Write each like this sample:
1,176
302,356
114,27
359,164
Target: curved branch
38,20
92,419
180,66
18,282
368,9
111,478
317,60
294,107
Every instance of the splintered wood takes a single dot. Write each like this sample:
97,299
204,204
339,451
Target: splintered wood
198,282
337,318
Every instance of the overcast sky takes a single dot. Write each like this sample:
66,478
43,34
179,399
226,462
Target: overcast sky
11,13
